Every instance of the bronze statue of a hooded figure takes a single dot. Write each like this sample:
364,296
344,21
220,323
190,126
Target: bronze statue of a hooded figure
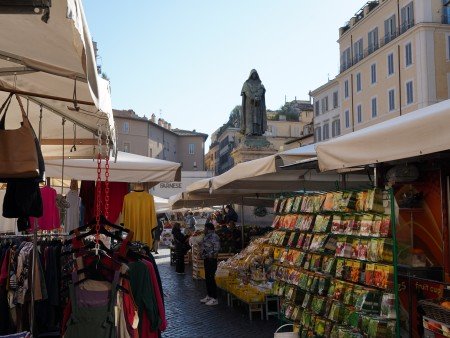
253,117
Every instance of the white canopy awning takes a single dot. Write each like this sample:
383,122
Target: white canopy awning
185,200
264,174
421,132
128,168
53,65
161,204
199,186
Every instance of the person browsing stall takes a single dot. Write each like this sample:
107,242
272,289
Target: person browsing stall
230,214
210,251
181,247
191,222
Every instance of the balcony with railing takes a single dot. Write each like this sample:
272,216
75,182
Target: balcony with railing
377,45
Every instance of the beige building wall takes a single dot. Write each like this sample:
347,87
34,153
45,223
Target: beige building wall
284,129
162,143
144,137
132,135
442,61
191,153
386,96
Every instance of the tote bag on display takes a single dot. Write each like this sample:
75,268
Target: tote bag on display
20,152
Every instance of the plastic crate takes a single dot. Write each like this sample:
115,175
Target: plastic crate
435,311
435,329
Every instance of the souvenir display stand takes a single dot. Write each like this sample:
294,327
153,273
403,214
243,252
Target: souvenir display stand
331,259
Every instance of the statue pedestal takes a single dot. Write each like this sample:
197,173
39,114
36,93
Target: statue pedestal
251,148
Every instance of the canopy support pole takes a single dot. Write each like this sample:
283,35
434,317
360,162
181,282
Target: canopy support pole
33,275
59,113
13,58
45,96
344,181
242,222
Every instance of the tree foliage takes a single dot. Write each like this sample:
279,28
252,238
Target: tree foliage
235,117
234,120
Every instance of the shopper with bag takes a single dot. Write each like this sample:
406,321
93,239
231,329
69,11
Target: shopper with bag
181,245
210,251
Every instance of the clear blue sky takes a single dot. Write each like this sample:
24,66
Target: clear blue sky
189,58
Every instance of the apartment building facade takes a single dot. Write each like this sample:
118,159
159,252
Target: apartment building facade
157,139
394,59
327,112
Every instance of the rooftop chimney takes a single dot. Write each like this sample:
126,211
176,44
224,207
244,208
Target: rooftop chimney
166,125
169,126
153,118
160,122
366,9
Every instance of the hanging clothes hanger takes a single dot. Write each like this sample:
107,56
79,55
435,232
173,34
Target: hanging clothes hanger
103,221
94,272
98,263
138,187
102,231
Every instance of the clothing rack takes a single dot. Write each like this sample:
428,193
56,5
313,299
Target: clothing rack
34,236
10,236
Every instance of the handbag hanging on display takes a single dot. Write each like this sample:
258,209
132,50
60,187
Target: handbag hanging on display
20,154
21,167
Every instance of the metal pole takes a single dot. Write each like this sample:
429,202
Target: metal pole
242,222
33,275
375,176
395,249
344,181
45,96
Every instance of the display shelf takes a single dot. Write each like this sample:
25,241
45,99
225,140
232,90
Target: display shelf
308,278
412,209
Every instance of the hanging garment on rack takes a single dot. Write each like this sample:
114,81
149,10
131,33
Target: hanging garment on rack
15,280
117,193
22,199
96,293
139,215
143,294
141,247
93,321
128,320
4,308
87,195
73,212
50,217
23,271
6,224
158,297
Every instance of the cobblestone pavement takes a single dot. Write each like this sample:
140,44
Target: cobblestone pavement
188,318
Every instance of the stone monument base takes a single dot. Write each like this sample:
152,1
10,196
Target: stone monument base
251,148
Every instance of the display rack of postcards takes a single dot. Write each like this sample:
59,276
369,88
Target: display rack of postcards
333,263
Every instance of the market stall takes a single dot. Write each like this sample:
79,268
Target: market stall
47,63
410,153
330,260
